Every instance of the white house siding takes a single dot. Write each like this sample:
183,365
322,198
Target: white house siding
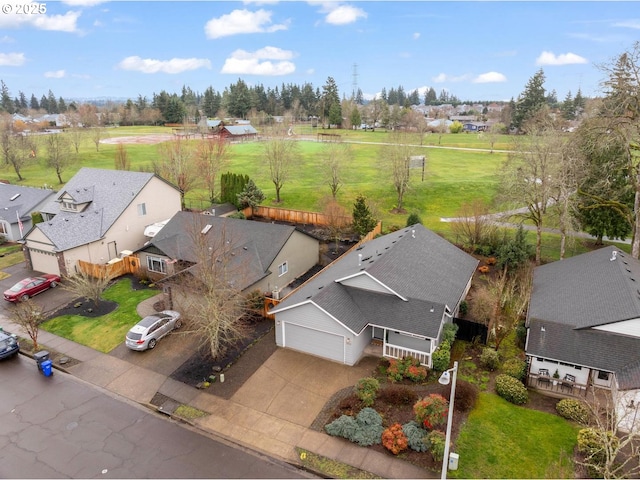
630,328
581,374
314,342
45,262
365,282
627,405
315,320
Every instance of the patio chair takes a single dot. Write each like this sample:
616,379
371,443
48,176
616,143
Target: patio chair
568,382
543,377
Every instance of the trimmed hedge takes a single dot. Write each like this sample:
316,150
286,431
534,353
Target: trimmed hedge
511,389
515,368
573,409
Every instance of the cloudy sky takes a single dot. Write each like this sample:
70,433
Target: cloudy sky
475,50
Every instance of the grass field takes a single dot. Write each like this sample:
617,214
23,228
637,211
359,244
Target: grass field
456,173
502,440
108,331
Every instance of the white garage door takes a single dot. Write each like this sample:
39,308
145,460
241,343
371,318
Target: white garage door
315,342
44,262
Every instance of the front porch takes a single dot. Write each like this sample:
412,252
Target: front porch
379,348
556,387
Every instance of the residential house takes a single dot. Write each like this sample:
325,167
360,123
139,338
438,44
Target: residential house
399,289
16,206
97,215
584,323
258,255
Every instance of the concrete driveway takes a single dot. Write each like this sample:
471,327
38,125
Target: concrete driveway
50,300
294,386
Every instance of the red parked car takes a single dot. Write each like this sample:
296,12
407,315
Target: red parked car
27,288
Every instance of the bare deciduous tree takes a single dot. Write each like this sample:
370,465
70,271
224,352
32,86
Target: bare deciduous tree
474,226
98,133
395,159
28,316
122,161
337,219
334,157
175,164
280,155
59,155
208,292
86,286
212,154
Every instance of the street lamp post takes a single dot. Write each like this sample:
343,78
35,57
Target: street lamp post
444,379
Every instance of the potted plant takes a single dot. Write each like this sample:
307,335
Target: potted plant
556,376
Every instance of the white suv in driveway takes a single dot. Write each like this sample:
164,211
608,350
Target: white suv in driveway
146,333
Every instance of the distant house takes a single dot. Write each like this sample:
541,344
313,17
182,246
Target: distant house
16,205
97,215
399,290
259,256
584,323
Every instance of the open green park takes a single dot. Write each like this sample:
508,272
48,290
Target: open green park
460,168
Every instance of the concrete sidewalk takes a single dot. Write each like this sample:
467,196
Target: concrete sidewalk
264,422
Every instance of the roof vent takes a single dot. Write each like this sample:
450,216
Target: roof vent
359,259
14,197
614,254
542,329
205,229
413,233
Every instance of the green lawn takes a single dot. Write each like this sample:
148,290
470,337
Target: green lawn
108,331
502,440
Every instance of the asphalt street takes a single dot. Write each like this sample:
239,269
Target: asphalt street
62,427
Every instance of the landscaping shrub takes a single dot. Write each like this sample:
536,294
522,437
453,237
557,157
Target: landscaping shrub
436,440
344,427
394,439
466,396
413,219
464,308
365,429
431,411
441,358
349,405
416,436
406,367
573,409
449,332
593,442
397,395
516,368
367,390
490,359
511,389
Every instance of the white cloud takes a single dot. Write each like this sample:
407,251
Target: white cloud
59,23
550,58
344,14
416,35
242,21
7,39
443,77
631,23
12,59
259,62
490,77
55,74
175,65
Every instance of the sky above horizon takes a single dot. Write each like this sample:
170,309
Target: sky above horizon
84,49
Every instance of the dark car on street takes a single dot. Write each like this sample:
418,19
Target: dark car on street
27,288
9,345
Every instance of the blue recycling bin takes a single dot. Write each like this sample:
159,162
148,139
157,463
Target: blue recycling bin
46,367
40,358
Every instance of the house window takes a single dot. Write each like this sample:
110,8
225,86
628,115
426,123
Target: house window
142,209
70,207
155,264
603,375
3,228
283,268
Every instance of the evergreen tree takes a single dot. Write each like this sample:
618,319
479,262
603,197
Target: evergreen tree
531,100
251,196
331,102
33,103
569,107
363,221
430,97
6,103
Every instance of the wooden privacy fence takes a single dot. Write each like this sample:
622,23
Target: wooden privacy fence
111,270
300,216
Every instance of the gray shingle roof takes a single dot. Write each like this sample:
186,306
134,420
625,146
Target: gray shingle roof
27,201
414,262
572,296
109,192
253,245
